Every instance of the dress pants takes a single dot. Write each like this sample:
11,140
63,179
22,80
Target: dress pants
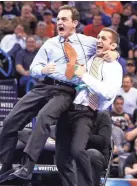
48,101
97,161
71,141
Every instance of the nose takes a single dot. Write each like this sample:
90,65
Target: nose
59,21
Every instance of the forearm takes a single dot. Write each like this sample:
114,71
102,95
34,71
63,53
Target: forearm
128,171
131,135
107,92
21,70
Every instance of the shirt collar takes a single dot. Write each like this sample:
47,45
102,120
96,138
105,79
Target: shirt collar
71,38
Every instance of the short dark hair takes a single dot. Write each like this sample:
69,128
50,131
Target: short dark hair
74,11
128,5
114,13
128,76
118,97
30,36
115,35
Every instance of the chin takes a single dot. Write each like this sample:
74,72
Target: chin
98,53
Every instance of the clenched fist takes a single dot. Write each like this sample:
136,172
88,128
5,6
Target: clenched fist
49,68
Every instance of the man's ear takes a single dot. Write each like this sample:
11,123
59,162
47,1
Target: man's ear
75,23
113,46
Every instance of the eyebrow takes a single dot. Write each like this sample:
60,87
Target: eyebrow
61,17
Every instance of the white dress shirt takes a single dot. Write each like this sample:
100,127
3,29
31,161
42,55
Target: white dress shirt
106,87
10,40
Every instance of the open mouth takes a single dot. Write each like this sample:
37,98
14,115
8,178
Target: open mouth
99,47
61,28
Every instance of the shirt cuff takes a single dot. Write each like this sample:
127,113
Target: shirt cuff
37,72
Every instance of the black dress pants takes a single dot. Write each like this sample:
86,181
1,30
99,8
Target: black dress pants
97,161
73,144
48,101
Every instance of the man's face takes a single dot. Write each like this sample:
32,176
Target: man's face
26,11
1,10
127,11
116,19
41,31
130,68
19,30
8,4
97,20
127,84
47,18
65,25
94,9
56,4
104,42
31,44
118,105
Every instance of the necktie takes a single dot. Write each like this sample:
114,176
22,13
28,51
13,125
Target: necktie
72,56
94,71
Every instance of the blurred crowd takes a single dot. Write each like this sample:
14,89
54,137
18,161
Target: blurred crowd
26,25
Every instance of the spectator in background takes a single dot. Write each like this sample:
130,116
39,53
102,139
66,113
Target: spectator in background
118,116
131,135
23,61
131,163
27,19
41,6
5,26
121,122
116,24
131,71
109,7
55,5
135,56
121,146
37,14
40,34
129,93
125,47
95,10
10,11
130,20
94,28
50,28
10,40
83,7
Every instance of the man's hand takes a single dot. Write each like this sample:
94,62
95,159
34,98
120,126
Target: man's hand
80,70
110,56
49,68
135,166
26,73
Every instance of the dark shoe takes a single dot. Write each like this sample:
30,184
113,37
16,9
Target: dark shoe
23,173
5,174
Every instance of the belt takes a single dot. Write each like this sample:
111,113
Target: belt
50,81
79,107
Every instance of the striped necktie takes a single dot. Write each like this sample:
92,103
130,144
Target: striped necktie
94,72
